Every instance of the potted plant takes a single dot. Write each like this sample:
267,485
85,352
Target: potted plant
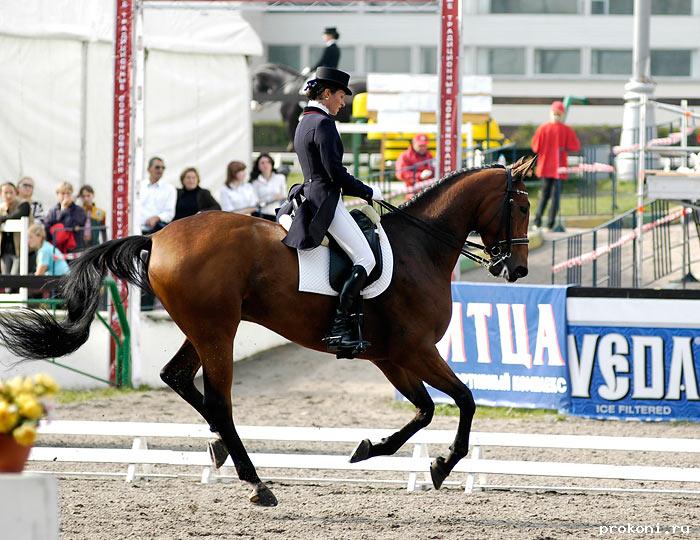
23,402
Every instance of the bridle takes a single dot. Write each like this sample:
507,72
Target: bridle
498,253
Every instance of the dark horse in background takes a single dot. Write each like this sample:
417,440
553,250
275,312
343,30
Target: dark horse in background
208,283
276,82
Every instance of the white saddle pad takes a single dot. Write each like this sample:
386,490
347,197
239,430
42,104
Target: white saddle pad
313,270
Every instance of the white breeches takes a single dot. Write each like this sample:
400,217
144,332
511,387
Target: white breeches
347,233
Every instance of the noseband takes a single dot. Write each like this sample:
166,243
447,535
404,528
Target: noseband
498,253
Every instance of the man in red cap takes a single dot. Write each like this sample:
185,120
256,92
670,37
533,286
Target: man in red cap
415,164
551,143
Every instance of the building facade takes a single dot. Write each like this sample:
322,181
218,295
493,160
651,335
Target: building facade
531,48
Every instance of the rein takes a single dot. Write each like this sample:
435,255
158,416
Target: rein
497,253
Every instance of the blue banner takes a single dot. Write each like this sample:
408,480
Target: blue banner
635,372
508,344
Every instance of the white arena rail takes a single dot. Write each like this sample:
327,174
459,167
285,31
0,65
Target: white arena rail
139,457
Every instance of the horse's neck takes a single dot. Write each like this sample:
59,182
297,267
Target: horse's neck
452,209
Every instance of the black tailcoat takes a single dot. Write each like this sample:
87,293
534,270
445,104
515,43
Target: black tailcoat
320,151
330,57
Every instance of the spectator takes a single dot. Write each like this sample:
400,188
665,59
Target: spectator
415,164
192,198
157,199
11,207
551,142
26,191
269,185
65,222
237,195
49,259
95,228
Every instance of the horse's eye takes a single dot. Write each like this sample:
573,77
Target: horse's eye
523,209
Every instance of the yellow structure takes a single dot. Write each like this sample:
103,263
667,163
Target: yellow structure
485,130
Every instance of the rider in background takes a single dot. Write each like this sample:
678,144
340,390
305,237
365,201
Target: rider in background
326,180
331,54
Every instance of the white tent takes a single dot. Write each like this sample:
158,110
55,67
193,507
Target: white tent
56,68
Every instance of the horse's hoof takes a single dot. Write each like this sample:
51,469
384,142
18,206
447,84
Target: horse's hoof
362,451
262,496
438,472
217,452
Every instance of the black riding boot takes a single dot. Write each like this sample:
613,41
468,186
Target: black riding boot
342,338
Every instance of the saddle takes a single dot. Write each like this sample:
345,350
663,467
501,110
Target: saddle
340,264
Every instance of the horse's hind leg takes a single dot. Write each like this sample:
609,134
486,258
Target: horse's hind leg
217,363
413,389
179,375
435,371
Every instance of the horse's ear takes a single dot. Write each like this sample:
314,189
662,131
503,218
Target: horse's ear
523,166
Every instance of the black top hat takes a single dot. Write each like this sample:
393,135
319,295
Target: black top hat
331,31
335,77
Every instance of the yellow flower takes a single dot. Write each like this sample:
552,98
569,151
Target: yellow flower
8,416
45,385
29,407
15,385
25,434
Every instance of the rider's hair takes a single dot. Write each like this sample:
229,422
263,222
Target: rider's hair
314,88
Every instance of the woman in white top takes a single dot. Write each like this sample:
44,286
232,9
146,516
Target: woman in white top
270,186
237,195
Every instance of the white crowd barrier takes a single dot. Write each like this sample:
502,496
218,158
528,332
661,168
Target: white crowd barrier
136,462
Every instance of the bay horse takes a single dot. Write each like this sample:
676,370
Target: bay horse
215,269
280,81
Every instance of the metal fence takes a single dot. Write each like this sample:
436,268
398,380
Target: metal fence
605,255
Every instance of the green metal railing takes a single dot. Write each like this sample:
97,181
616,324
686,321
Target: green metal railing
122,344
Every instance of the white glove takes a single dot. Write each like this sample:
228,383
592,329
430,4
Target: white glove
425,174
377,194
306,71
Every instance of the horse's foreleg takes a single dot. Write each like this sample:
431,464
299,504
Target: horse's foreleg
413,389
217,364
435,371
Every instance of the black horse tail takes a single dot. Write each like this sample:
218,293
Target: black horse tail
37,334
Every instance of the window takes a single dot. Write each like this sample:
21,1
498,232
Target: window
557,61
388,59
611,62
500,61
347,57
626,7
428,60
612,7
672,7
668,63
288,55
534,6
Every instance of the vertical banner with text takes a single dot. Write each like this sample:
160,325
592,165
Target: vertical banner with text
121,142
449,143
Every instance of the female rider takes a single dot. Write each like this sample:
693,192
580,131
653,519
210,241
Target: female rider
320,151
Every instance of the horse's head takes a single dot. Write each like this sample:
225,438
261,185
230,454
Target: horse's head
269,78
503,221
